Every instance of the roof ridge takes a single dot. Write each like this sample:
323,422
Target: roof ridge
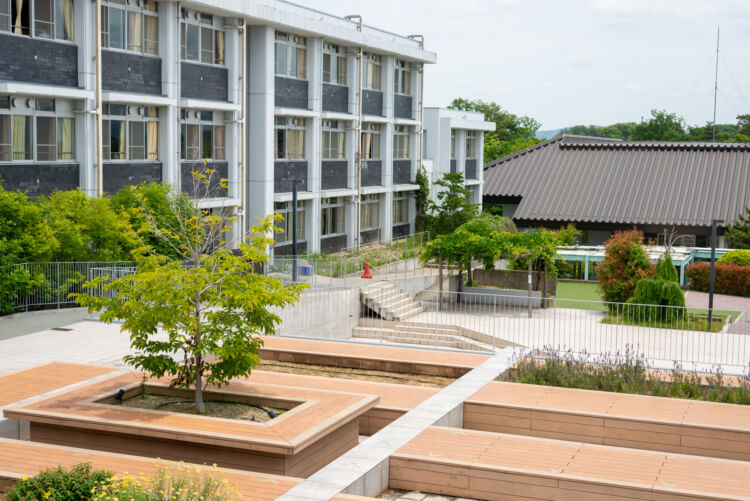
528,149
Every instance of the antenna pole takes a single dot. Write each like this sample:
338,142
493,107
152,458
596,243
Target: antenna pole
716,86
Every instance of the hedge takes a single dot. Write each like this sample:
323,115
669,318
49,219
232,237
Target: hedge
729,279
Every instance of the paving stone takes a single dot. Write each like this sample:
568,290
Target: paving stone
413,496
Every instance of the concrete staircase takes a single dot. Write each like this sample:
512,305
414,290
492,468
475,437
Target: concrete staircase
388,302
444,336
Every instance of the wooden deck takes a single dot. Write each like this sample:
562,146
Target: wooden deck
19,459
634,421
45,378
367,356
484,465
323,425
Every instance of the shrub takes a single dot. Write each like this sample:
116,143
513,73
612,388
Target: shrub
76,484
172,481
729,279
667,299
739,257
625,264
666,270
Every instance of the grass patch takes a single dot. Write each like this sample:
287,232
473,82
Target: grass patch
627,373
576,294
690,321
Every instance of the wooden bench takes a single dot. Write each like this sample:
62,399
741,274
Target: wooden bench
597,417
19,459
494,466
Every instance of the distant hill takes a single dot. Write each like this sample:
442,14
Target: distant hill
549,134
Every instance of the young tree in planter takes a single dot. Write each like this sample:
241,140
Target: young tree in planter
625,263
452,208
211,304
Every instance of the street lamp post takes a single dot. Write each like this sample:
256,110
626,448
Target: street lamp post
714,224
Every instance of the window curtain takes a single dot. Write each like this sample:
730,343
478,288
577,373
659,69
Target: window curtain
64,19
341,152
219,139
18,24
152,35
152,140
135,31
65,139
5,138
219,56
21,138
301,63
299,144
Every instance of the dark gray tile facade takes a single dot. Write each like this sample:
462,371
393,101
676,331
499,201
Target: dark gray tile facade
335,98
291,93
372,173
369,236
329,245
402,106
470,171
334,174
454,166
286,249
117,175
400,230
214,189
34,60
200,81
286,171
125,72
36,180
402,172
372,102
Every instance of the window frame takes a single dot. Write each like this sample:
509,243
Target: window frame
296,43
142,114
202,119
285,209
369,63
335,54
453,144
366,212
372,129
285,125
401,131
402,78
471,139
144,12
32,116
331,205
30,30
202,22
336,135
400,198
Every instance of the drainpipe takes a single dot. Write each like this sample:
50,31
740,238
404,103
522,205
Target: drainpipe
243,139
98,96
420,38
358,130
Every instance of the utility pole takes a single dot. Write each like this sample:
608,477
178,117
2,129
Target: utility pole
714,224
716,86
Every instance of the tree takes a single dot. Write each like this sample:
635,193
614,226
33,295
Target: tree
512,133
625,264
452,208
422,199
666,270
737,234
743,125
211,304
737,257
662,126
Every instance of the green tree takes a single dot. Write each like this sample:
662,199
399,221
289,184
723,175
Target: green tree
665,269
452,208
512,133
422,199
743,125
737,257
737,234
625,264
212,310
662,126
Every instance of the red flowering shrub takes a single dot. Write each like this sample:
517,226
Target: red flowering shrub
625,263
729,278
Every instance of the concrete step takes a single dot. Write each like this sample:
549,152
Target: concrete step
408,313
427,329
455,342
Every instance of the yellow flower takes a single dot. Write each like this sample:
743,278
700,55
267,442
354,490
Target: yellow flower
47,495
25,478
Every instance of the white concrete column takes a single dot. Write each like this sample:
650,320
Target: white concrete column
315,73
313,153
386,140
351,221
461,152
85,122
169,116
389,66
480,167
386,216
313,224
352,77
352,148
260,123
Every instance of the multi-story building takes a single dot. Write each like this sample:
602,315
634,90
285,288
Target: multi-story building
264,93
454,142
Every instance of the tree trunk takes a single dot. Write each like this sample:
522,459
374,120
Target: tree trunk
199,405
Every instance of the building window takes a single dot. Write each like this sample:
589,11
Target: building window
202,136
130,132
372,72
332,217
400,208
200,41
53,19
290,138
370,141
291,55
334,65
369,212
400,142
42,136
334,140
453,144
471,144
402,79
285,209
131,26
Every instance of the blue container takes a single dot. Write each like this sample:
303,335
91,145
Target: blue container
306,270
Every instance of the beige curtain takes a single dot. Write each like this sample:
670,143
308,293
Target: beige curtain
17,25
219,55
366,142
152,35
193,142
301,63
299,144
341,145
20,146
5,155
135,31
65,139
67,7
152,140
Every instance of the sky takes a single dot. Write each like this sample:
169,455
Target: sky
570,62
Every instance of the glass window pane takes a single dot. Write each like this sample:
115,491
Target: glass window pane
117,139
105,26
5,15
301,63
65,139
219,143
280,143
152,140
151,35
193,142
207,45
208,141
327,68
46,139
22,141
137,141
116,28
192,42
4,137
341,68
219,48
280,62
106,140
135,31
43,25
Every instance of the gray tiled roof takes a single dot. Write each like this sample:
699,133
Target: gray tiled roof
584,179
